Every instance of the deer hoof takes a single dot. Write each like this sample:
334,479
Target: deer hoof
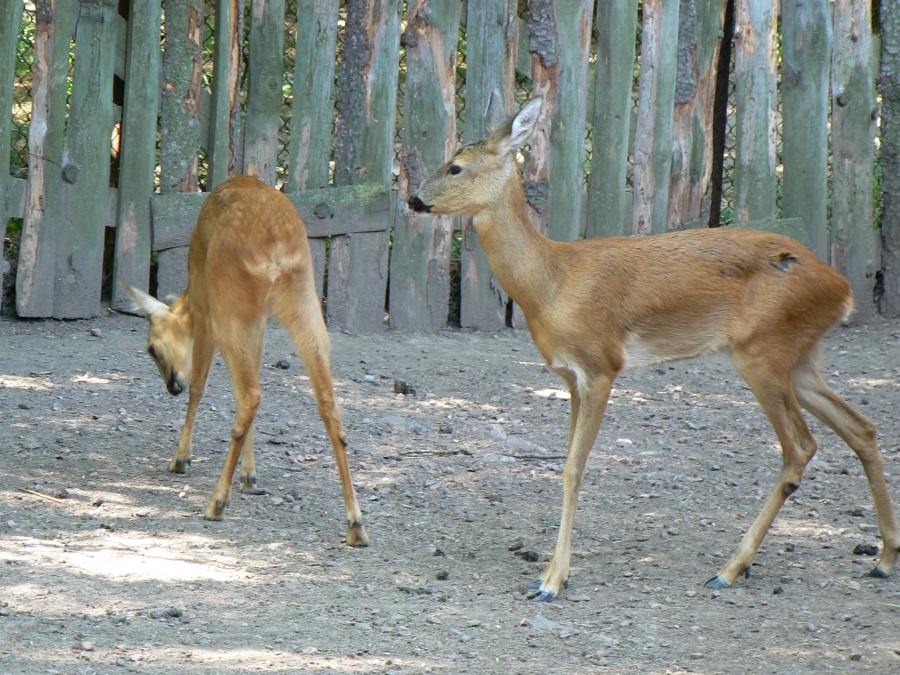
214,510
356,535
248,481
534,585
879,573
179,464
717,582
543,596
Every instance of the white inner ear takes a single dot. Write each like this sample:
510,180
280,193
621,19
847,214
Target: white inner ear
524,123
145,303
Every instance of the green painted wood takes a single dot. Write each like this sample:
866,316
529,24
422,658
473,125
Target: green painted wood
327,212
364,138
120,57
35,274
754,72
492,39
653,134
265,66
225,109
790,227
607,195
81,235
420,257
559,39
855,244
137,157
15,198
309,148
10,20
889,85
805,74
699,37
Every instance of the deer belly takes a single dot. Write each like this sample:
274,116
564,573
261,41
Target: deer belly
640,352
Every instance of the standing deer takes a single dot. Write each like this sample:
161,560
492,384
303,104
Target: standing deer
599,307
248,259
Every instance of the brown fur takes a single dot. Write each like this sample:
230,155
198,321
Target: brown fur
248,259
599,306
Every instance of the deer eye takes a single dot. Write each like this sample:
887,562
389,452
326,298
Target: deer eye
151,350
455,169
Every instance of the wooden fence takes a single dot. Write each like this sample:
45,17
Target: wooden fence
347,104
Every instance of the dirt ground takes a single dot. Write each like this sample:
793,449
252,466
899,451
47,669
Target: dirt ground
117,571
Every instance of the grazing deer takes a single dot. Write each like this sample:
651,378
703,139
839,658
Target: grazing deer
598,307
248,259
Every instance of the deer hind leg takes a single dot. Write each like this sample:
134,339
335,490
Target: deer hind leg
772,388
589,405
201,360
241,351
859,433
306,326
247,475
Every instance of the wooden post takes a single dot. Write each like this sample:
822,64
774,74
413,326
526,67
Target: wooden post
855,245
367,98
55,21
266,70
137,157
309,148
754,71
653,136
889,82
225,111
607,196
559,33
10,22
699,31
805,70
420,258
491,33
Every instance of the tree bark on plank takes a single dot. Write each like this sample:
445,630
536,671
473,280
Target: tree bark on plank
225,111
855,244
420,258
889,85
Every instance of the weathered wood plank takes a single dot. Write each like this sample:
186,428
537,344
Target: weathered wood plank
653,136
15,197
420,258
805,70
367,97
699,30
889,84
10,20
328,212
790,227
55,20
174,281
309,148
606,200
492,37
855,244
225,109
265,66
137,157
754,72
79,259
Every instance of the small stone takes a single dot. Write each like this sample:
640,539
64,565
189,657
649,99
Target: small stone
865,549
174,611
691,593
854,656
778,590
868,527
96,332
443,575
624,442
438,553
97,502
87,646
528,556
282,364
277,501
24,406
121,663
434,620
516,545
368,378
403,387
470,518
854,585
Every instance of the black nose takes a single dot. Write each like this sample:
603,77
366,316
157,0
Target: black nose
418,205
173,386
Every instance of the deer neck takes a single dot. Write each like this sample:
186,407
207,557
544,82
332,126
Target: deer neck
519,255
181,309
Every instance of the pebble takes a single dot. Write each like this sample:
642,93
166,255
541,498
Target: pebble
368,378
96,332
282,364
854,656
624,442
87,646
443,575
865,549
778,590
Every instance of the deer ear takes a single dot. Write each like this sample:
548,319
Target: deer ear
496,114
523,125
144,302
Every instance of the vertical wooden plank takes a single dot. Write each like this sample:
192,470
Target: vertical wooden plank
309,148
266,71
420,258
616,22
367,98
55,20
754,72
225,111
653,135
10,21
559,33
699,31
889,84
855,245
492,38
180,121
137,156
805,70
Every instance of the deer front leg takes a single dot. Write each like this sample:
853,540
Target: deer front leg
201,360
248,462
589,404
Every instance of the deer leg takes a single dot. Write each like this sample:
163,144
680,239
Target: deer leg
307,328
247,475
859,433
241,355
203,351
775,394
589,406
